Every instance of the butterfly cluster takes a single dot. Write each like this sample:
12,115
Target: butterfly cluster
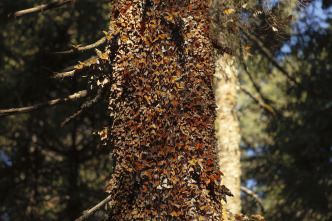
163,109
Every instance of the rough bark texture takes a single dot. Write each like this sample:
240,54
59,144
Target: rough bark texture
163,110
228,129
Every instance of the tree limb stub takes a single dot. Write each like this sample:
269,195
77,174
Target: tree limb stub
64,74
21,110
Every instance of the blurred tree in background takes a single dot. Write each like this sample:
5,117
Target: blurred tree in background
287,156
48,172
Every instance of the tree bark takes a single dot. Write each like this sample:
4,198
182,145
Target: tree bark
163,110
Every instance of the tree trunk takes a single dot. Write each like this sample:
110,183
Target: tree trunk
163,110
228,129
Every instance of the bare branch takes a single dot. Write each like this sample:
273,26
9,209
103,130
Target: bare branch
259,101
40,8
72,73
22,110
93,209
86,106
81,49
256,198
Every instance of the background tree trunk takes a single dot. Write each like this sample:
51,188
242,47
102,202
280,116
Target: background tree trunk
227,124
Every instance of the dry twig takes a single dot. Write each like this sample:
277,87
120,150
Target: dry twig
22,110
40,8
81,49
72,73
259,101
93,209
86,106
254,196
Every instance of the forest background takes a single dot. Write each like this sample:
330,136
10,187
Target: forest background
49,172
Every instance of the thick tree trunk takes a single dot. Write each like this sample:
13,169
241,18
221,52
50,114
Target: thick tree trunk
228,133
163,109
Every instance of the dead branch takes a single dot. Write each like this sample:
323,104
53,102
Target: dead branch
259,101
256,198
81,49
40,8
72,73
93,209
22,110
86,106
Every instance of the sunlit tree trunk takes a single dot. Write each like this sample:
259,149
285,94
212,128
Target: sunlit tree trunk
226,85
163,110
227,124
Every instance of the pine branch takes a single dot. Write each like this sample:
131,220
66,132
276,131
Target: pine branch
256,198
256,86
40,8
269,55
82,49
245,67
93,209
259,101
22,110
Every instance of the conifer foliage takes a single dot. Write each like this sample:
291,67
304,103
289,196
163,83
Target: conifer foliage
162,108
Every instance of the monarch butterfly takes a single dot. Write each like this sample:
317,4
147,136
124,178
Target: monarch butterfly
93,61
103,56
124,38
76,46
79,66
228,11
